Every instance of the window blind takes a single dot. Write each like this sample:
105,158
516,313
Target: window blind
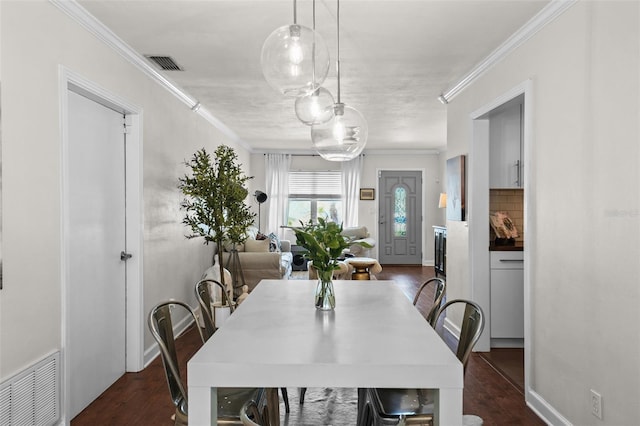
327,184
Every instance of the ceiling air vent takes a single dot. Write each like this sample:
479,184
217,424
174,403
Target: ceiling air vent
164,62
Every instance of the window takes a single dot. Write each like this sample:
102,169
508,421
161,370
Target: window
313,194
400,212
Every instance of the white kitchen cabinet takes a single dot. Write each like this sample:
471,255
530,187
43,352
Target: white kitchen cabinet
507,298
505,145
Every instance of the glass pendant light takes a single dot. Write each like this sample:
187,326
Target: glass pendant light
315,108
344,136
292,56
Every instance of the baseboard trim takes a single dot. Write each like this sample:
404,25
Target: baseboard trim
507,343
453,329
534,401
544,410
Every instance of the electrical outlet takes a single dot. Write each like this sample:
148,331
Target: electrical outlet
596,404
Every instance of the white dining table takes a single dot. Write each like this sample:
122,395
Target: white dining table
277,338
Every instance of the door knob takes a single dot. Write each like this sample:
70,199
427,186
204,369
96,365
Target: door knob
124,255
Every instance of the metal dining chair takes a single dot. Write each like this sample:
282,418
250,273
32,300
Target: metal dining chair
203,294
439,290
230,400
416,406
252,414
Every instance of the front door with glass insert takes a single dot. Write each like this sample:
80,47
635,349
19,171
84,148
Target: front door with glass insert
400,207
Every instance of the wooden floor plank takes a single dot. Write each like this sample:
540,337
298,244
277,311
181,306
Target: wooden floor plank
509,362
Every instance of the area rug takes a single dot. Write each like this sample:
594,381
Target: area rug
322,407
299,275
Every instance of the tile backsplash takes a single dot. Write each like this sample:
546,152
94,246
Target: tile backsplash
510,201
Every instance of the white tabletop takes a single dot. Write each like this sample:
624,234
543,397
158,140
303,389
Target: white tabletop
277,338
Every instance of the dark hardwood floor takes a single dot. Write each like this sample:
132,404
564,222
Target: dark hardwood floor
509,362
143,398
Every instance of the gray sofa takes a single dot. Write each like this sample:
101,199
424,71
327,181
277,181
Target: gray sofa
361,234
258,263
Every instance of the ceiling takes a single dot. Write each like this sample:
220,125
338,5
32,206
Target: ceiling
396,58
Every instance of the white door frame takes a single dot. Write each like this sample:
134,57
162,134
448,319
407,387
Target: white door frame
71,81
479,272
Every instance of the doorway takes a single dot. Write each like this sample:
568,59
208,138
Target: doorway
97,277
479,254
101,208
400,224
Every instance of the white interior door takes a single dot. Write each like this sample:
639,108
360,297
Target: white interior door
96,229
400,210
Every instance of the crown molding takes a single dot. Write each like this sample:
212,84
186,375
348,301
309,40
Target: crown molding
366,152
548,14
79,14
388,152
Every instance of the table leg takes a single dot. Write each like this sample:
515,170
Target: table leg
273,402
203,403
448,407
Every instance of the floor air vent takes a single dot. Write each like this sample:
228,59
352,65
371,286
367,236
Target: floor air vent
165,63
31,397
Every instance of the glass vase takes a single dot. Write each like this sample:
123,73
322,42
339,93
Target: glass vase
325,297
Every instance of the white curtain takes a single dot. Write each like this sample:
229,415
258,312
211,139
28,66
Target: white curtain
350,189
277,188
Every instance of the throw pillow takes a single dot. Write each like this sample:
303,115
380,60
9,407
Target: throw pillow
228,246
275,242
256,245
356,232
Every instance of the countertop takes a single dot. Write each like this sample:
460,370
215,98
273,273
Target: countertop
519,246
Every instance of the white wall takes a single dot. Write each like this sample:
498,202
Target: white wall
36,38
585,209
432,185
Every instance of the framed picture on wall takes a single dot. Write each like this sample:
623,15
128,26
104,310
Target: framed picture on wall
456,179
367,194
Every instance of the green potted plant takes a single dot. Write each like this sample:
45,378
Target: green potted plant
214,199
324,244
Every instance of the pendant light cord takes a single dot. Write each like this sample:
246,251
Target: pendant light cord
338,37
313,53
295,13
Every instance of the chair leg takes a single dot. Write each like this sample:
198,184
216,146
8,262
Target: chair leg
285,397
362,398
366,417
179,418
302,392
